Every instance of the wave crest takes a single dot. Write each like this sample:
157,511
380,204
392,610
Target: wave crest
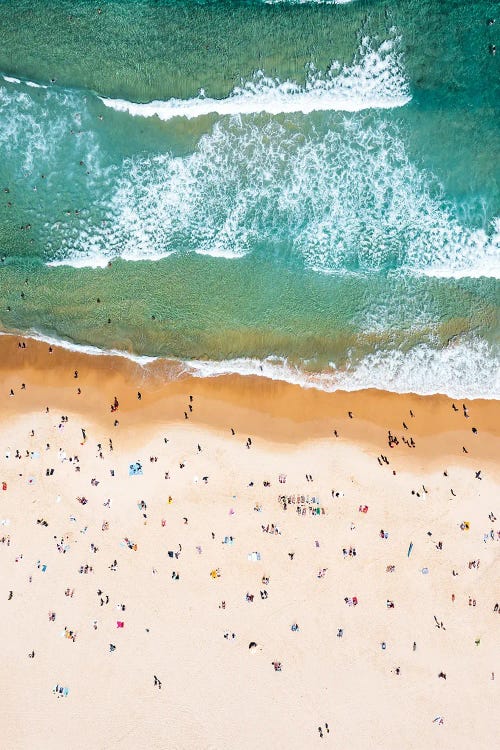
374,80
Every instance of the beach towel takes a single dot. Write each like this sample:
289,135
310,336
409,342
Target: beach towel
135,469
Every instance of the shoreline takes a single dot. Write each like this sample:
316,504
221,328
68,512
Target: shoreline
271,367
274,410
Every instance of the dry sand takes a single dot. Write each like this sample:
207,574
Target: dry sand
215,691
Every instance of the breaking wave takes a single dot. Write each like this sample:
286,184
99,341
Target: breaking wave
374,80
465,369
345,200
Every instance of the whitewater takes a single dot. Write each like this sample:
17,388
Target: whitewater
249,183
375,80
465,369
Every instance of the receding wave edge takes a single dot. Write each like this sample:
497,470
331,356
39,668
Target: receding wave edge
464,369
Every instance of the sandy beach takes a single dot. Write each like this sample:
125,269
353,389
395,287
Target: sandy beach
236,562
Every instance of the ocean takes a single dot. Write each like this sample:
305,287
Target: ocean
302,190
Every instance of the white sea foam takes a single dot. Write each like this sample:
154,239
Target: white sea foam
374,80
23,81
481,257
36,121
82,348
345,200
371,208
85,261
467,369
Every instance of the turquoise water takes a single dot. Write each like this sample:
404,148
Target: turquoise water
300,189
